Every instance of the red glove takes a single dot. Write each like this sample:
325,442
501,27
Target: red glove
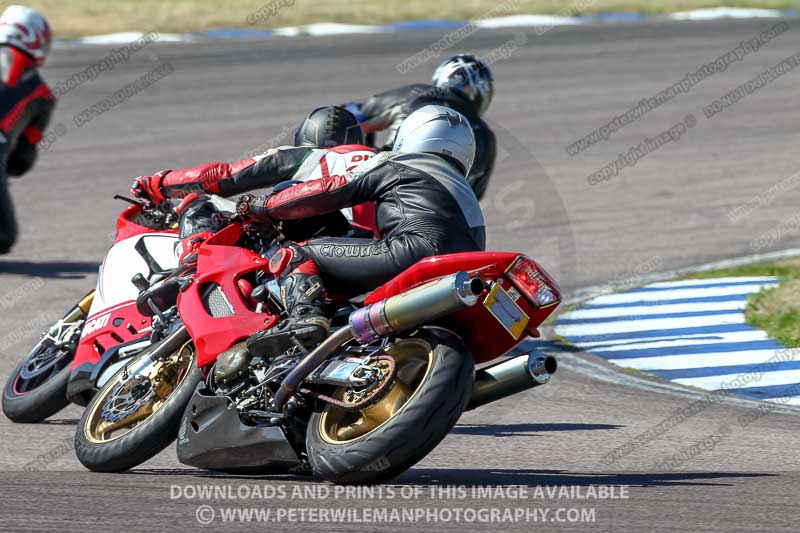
149,187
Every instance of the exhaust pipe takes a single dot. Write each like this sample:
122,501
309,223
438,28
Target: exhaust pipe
401,312
416,307
511,377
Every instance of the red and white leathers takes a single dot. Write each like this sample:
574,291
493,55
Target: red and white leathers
26,104
266,170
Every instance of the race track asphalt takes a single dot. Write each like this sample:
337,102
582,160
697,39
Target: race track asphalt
670,210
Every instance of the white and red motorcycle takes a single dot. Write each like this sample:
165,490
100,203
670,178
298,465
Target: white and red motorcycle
82,350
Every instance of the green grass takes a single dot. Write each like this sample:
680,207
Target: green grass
789,268
636,372
776,311
72,18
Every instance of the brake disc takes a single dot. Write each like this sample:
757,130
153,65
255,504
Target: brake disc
54,346
41,362
122,403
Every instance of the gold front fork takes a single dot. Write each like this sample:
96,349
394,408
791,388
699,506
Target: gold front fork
86,303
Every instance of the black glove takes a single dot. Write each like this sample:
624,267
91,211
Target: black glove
253,207
21,159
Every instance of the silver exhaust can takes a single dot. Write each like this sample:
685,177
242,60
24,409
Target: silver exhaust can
510,377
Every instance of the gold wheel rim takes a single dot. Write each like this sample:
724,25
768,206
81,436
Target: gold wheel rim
155,381
414,360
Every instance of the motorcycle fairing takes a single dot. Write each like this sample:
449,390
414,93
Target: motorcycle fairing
487,337
213,307
113,318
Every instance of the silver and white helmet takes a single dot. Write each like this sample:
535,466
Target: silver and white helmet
27,30
439,130
469,75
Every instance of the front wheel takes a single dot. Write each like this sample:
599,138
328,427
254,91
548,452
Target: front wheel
138,412
37,389
432,385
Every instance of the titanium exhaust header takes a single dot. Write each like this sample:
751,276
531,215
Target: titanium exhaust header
416,307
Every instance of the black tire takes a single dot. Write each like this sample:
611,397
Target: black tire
45,391
419,426
42,402
143,442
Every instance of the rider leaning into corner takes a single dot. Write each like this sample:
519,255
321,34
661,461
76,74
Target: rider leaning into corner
26,103
423,204
424,207
463,83
329,142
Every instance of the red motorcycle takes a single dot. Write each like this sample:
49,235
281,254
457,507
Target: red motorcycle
365,405
90,343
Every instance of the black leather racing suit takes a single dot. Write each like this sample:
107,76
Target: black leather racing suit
424,207
26,104
387,110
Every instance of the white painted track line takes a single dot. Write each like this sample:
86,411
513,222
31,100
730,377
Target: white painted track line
632,326
704,360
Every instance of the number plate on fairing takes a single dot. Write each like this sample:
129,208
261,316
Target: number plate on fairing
500,304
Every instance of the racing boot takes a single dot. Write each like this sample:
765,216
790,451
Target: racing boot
302,295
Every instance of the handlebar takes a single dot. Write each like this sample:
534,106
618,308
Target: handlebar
161,215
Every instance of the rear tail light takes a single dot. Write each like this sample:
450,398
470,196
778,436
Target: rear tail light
532,281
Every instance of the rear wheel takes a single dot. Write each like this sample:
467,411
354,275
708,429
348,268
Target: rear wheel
138,412
37,389
432,385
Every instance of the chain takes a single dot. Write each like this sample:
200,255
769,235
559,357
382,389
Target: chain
377,394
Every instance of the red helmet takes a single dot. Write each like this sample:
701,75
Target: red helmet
27,30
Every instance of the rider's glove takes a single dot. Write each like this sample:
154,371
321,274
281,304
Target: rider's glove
149,187
253,207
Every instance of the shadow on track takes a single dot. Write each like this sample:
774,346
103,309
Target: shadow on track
504,477
49,269
60,422
524,430
474,477
275,475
